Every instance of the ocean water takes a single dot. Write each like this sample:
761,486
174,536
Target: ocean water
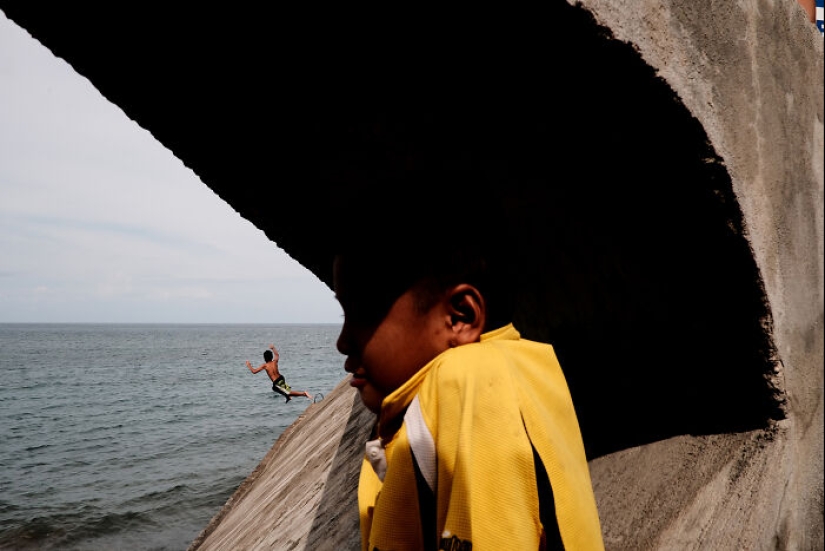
132,437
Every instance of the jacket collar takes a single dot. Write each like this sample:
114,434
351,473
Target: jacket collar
394,405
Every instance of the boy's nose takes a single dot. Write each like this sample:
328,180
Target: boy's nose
341,344
350,365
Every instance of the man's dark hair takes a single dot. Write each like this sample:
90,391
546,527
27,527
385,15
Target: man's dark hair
268,355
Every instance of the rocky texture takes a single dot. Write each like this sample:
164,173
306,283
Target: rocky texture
753,77
661,164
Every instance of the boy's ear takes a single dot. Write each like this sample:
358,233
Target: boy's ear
468,314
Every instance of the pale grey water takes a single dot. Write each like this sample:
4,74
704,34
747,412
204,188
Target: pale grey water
134,436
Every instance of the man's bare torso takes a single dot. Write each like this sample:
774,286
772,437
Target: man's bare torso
272,370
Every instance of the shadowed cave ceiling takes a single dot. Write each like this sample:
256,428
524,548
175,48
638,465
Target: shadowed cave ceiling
633,255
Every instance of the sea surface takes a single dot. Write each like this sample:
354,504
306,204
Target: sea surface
132,437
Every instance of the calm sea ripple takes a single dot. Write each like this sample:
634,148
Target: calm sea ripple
134,436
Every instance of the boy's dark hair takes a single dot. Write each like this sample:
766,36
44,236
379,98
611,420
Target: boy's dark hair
416,246
268,355
422,202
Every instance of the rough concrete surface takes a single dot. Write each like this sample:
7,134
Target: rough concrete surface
752,73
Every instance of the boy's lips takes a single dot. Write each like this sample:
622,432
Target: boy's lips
357,381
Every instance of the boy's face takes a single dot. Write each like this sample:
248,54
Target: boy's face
385,341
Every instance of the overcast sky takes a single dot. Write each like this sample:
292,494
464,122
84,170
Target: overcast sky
100,223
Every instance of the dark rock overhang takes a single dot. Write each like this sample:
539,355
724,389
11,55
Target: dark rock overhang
633,251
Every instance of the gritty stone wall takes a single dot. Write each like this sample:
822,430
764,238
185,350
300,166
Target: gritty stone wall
752,73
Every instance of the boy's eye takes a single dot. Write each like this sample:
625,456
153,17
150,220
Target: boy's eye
362,316
365,313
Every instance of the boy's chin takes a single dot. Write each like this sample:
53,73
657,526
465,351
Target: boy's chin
371,400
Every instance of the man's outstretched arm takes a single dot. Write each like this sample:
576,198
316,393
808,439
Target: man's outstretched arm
255,369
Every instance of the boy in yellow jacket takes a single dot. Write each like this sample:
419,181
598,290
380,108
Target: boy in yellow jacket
476,444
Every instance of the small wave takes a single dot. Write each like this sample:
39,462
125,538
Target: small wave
100,429
162,496
60,530
112,523
6,508
36,448
22,416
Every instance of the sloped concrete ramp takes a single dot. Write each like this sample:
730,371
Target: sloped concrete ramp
303,494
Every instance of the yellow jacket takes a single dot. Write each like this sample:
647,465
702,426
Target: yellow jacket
455,457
